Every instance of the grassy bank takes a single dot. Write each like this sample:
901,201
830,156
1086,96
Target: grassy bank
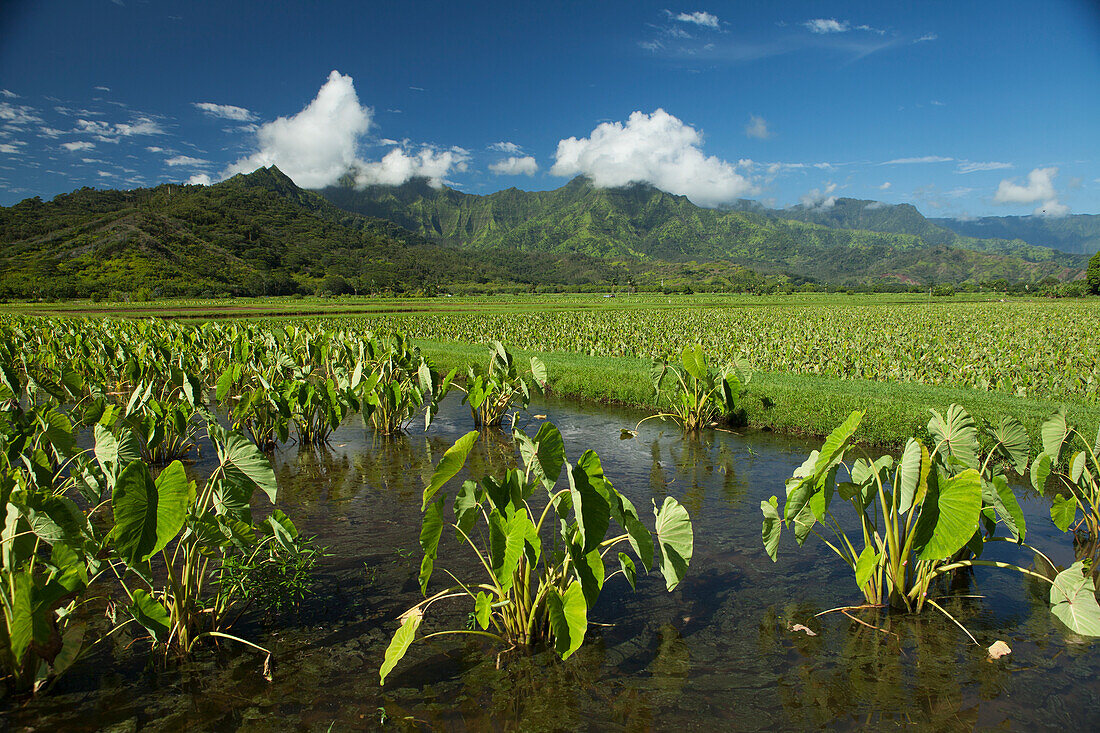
790,403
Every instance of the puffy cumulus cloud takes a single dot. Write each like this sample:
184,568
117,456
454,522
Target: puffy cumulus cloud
658,149
78,145
224,111
513,166
199,179
827,25
699,17
818,198
186,160
758,128
318,145
1039,187
398,166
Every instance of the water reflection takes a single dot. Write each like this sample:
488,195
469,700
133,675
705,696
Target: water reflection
719,652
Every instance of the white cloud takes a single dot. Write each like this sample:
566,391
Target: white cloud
926,37
1039,187
225,111
869,29
506,147
758,128
923,159
398,166
106,132
658,149
102,89
9,94
11,148
875,206
699,17
885,186
18,114
1052,209
155,149
818,199
827,25
513,166
50,132
199,179
967,166
104,174
318,145
78,145
186,160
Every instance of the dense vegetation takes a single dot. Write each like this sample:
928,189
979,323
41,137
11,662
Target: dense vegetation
1074,233
642,223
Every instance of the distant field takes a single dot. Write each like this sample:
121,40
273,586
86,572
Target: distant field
817,355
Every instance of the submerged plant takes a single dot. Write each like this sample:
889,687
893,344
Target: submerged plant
699,395
536,590
491,393
922,517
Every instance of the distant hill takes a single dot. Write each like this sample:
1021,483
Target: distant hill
1078,233
643,223
252,234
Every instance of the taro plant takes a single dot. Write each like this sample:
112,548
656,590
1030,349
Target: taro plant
922,517
1070,463
698,395
399,385
492,393
317,407
537,590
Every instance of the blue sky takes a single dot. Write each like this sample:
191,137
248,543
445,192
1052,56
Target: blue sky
963,109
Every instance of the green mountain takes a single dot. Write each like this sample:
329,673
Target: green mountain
252,234
640,223
1079,233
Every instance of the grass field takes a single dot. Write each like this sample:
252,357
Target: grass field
816,356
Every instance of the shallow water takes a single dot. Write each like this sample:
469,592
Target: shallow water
717,652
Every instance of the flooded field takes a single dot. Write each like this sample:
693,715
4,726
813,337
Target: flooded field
717,653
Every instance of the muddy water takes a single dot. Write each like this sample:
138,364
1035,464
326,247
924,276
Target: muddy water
718,653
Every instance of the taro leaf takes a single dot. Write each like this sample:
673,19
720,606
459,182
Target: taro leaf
1013,443
568,618
223,385
589,570
641,541
675,541
832,450
955,435
20,629
151,614
949,516
483,605
506,542
544,455
1077,466
466,503
909,470
1008,509
627,566
283,530
538,371
148,514
803,522
798,496
59,431
866,565
402,638
590,508
823,496
1040,471
244,460
1054,433
450,464
71,642
430,532
424,377
695,363
1073,600
772,527
1063,510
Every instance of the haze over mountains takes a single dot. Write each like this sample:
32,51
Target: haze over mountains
259,233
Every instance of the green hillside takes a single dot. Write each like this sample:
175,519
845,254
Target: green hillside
1079,233
642,223
253,234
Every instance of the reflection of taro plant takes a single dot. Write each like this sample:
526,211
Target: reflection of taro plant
922,517
534,592
491,393
699,395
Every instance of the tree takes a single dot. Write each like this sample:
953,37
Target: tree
1093,274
